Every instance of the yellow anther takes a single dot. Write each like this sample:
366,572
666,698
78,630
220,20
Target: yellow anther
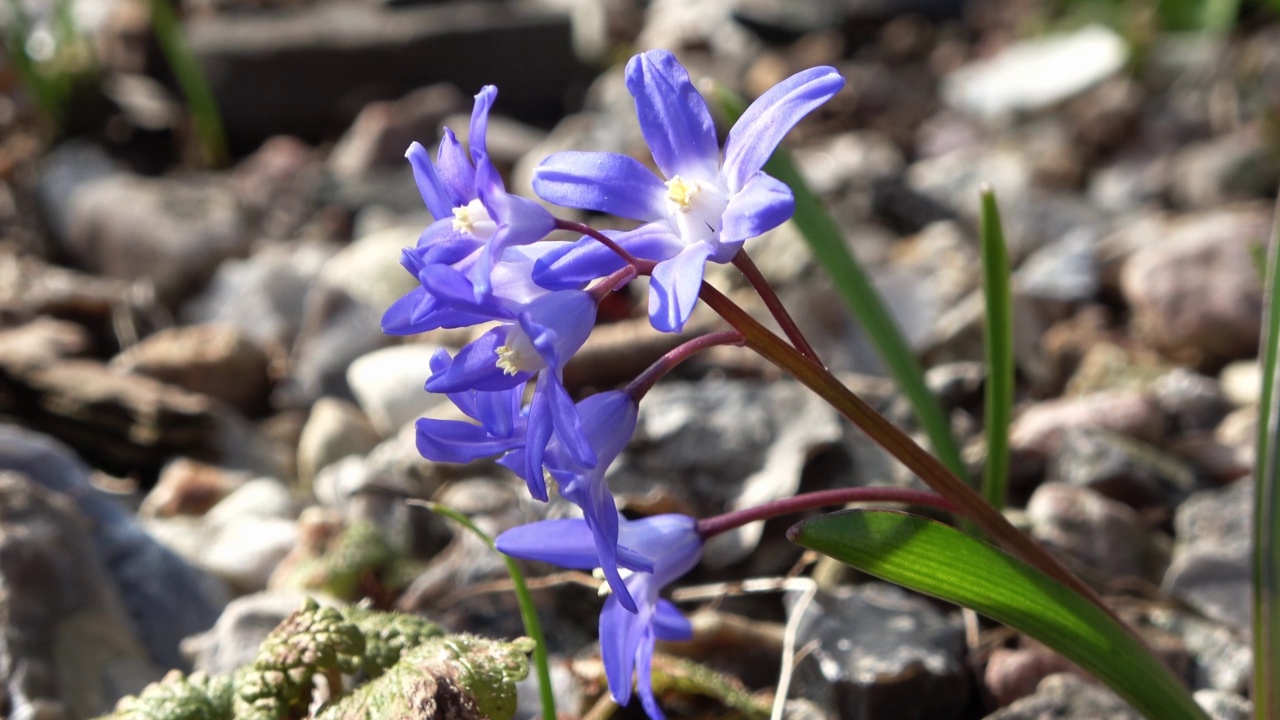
508,357
681,192
462,221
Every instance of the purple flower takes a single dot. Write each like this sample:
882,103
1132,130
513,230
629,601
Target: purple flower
703,209
658,550
535,339
476,220
501,427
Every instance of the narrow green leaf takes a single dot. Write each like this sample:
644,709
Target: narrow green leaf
528,613
1266,504
205,117
999,341
826,241
938,560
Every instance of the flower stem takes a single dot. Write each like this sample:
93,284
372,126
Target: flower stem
640,386
748,268
612,282
643,267
712,526
896,442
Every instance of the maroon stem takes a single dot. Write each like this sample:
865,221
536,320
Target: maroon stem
748,268
713,526
665,364
643,267
612,282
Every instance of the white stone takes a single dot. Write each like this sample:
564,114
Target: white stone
388,384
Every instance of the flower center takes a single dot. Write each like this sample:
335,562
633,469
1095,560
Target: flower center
473,219
697,208
518,354
605,588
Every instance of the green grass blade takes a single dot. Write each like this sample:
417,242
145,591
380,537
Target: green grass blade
999,342
938,560
827,244
528,613
205,118
1266,504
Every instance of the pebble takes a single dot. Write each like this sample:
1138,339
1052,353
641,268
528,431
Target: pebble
1122,469
1106,538
388,385
1041,427
1065,696
334,429
1211,560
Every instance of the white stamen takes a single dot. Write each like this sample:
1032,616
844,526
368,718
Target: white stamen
473,219
518,354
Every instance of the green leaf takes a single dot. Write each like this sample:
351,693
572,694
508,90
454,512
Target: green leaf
938,560
1266,507
999,342
205,117
826,241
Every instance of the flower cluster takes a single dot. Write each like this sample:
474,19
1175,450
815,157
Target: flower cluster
485,260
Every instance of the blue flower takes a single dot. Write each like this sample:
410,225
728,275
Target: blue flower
501,427
657,550
703,210
476,220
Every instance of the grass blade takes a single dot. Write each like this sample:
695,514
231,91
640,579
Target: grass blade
528,613
205,117
999,345
1266,507
827,244
938,560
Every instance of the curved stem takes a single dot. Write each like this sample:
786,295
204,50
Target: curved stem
927,467
665,364
643,267
748,268
712,526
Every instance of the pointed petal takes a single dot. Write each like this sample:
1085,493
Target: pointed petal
399,318
586,260
673,116
671,624
429,186
644,676
520,222
565,420
455,170
604,182
763,204
537,435
758,132
455,441
480,123
620,632
475,367
567,543
673,290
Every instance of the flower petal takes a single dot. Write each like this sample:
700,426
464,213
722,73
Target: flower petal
562,415
475,367
456,441
620,634
763,204
480,123
520,222
429,186
604,182
455,170
673,290
673,116
585,260
758,132
567,543
644,676
670,624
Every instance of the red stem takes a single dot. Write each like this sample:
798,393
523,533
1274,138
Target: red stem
713,526
665,364
643,267
747,266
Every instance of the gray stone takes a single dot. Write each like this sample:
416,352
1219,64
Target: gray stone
1221,656
1242,382
65,636
383,130
1065,270
1101,538
1232,167
1068,697
171,232
308,70
1041,427
1222,705
388,385
335,429
1035,74
63,172
1122,469
233,641
882,652
1194,402
164,597
1211,561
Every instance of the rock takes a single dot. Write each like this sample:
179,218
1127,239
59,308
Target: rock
41,342
1068,697
1065,270
1036,74
1086,529
722,446
1242,382
188,487
388,385
1042,427
66,638
252,60
1014,673
848,159
1223,705
214,360
171,232
1232,167
1193,288
1130,183
335,429
165,598
1221,655
1193,402
1211,561
233,641
882,652
262,295
279,185
383,130
62,174
1122,469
